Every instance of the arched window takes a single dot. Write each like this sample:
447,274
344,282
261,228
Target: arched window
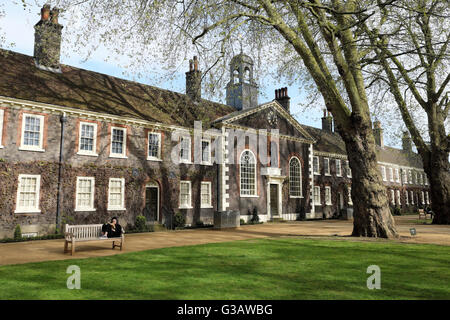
247,164
295,177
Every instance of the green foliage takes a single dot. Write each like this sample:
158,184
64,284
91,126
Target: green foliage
46,237
395,211
255,217
140,224
17,232
242,222
179,221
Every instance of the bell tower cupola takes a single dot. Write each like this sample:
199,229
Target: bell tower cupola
242,90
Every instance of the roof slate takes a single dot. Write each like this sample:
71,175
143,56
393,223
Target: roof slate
92,91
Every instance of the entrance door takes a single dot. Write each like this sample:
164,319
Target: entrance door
151,203
273,200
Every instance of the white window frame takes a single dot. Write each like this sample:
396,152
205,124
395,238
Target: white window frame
91,206
37,191
391,174
92,153
255,195
301,180
397,194
158,157
189,160
383,173
411,197
410,180
328,201
422,197
406,198
208,205
318,165
326,166
122,155
317,195
397,175
405,176
427,197
393,197
189,205
209,151
336,161
2,115
39,148
122,195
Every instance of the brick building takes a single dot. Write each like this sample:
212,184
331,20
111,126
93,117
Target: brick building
78,146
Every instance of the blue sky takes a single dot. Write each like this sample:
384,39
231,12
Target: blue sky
17,27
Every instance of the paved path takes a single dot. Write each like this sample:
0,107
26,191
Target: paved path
33,251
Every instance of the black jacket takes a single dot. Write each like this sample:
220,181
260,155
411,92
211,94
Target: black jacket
112,233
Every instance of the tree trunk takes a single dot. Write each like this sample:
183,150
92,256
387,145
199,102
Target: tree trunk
438,170
371,214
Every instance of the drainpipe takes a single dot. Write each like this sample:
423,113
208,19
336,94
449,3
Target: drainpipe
63,120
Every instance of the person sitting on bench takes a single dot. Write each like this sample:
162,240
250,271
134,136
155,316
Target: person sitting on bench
112,229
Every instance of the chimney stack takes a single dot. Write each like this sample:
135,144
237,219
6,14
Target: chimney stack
378,133
47,40
194,80
327,121
406,142
281,95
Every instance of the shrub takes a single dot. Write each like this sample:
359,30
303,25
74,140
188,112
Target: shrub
140,224
242,222
255,217
179,221
17,232
397,211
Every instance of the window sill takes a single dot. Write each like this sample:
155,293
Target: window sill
296,197
85,210
316,174
87,154
153,159
248,196
206,164
118,156
33,211
185,162
31,149
207,207
184,207
116,209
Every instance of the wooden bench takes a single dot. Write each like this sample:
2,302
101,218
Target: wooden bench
424,214
88,232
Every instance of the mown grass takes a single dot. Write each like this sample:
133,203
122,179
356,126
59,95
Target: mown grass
274,268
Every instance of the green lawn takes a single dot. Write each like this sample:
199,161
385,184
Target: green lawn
277,268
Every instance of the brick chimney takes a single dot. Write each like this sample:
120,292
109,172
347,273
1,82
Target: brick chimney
194,80
327,121
378,133
406,142
47,40
281,95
